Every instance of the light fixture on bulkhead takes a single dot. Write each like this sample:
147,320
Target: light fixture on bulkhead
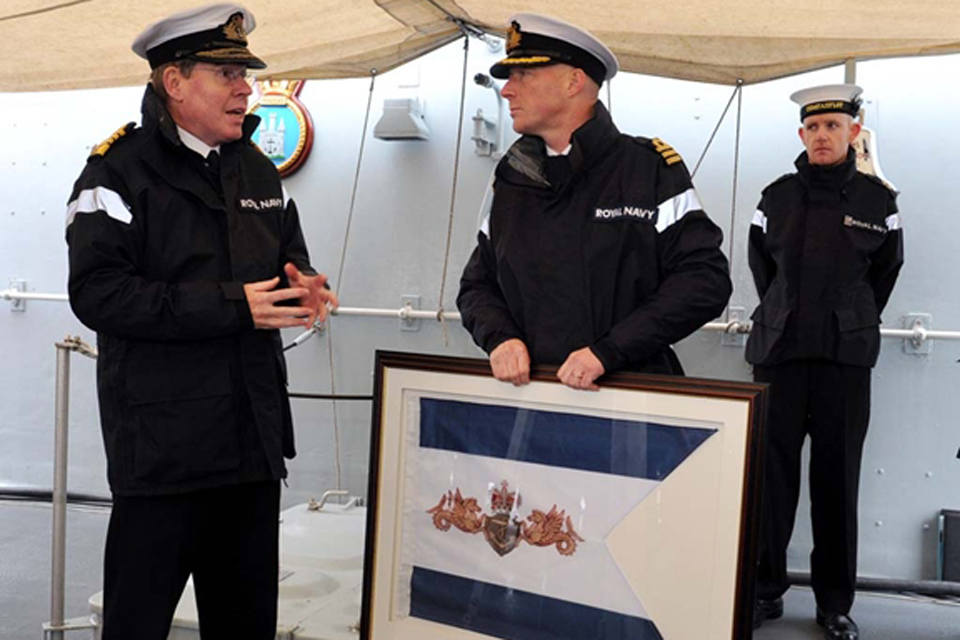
402,119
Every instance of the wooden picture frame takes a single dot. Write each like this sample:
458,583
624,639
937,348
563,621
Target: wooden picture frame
542,512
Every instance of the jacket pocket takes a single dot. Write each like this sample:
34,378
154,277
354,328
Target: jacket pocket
769,316
769,323
183,420
858,341
853,318
859,311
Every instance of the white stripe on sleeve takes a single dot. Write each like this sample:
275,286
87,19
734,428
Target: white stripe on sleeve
99,199
893,222
760,220
676,207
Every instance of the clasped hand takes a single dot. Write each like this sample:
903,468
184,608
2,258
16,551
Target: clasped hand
510,362
314,296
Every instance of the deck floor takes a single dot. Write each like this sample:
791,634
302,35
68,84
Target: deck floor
25,586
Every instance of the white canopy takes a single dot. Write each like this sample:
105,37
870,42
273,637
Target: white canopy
65,44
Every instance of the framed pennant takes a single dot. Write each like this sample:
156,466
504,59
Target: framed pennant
545,513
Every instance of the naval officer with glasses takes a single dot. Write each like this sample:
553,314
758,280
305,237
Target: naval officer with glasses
187,257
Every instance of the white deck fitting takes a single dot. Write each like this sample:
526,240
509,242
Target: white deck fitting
321,577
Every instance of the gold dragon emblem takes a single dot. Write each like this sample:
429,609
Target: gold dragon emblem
503,532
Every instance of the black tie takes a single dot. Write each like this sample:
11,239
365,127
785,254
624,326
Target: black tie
213,170
213,164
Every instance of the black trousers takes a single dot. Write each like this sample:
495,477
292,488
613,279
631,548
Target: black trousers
227,538
830,402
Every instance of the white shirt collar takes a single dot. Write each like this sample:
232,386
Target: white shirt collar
565,152
194,143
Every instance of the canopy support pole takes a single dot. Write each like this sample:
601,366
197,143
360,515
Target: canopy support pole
339,280
454,185
736,179
850,71
736,92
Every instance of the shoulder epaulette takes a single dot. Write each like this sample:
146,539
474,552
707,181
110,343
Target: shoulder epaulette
103,147
668,153
782,178
883,183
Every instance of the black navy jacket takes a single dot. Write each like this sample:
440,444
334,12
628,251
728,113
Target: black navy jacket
825,250
606,248
191,395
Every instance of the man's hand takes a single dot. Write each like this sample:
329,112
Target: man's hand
318,299
581,368
511,362
263,297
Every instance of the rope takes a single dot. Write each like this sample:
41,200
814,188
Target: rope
339,280
736,172
466,27
723,115
356,183
453,190
56,7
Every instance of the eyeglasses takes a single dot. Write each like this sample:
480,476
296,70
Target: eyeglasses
228,74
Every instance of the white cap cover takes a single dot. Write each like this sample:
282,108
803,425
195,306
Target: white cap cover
215,33
828,98
535,40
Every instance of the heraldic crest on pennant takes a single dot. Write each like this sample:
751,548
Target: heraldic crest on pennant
501,531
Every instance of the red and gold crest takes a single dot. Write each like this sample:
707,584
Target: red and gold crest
502,531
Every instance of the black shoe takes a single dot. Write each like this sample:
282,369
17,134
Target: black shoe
837,626
766,610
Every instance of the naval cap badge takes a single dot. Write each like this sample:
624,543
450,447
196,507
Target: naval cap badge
502,531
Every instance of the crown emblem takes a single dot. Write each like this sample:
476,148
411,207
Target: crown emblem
513,36
233,29
502,500
503,532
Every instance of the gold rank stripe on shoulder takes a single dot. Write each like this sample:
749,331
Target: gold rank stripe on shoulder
670,155
104,146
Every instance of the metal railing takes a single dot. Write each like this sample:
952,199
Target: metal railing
918,333
57,627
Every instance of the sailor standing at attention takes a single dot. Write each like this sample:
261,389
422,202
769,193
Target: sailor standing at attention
825,249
